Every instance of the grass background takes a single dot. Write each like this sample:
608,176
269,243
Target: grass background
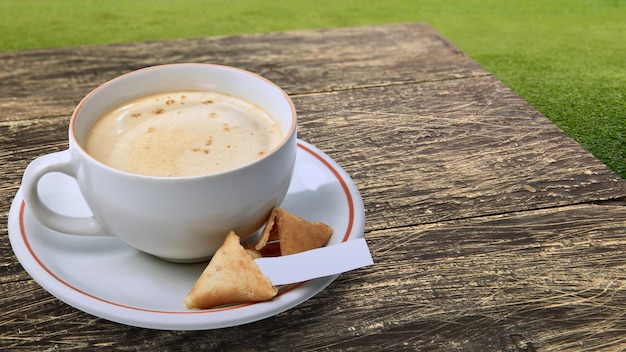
565,57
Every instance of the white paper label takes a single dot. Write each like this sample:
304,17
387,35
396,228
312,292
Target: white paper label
320,262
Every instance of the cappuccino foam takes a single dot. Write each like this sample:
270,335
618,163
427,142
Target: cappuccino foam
182,134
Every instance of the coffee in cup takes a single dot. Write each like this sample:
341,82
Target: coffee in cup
182,133
157,206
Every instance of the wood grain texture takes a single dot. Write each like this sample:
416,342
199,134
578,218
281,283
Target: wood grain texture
547,280
424,152
443,150
490,228
43,83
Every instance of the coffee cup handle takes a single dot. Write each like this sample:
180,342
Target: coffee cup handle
55,162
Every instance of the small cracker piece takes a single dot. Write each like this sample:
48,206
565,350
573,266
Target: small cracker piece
231,276
291,233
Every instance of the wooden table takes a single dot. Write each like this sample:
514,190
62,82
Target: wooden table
489,227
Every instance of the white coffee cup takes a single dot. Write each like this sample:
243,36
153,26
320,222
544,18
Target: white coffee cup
182,219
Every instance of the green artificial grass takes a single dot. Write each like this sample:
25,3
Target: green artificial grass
565,57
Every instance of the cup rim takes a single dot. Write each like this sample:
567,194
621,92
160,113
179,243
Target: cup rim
287,137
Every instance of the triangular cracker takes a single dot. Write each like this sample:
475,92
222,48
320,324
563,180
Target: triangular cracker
294,234
232,276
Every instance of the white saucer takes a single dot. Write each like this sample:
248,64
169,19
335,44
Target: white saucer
105,277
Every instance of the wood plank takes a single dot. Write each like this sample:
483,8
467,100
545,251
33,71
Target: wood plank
23,141
550,280
41,83
436,151
423,152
